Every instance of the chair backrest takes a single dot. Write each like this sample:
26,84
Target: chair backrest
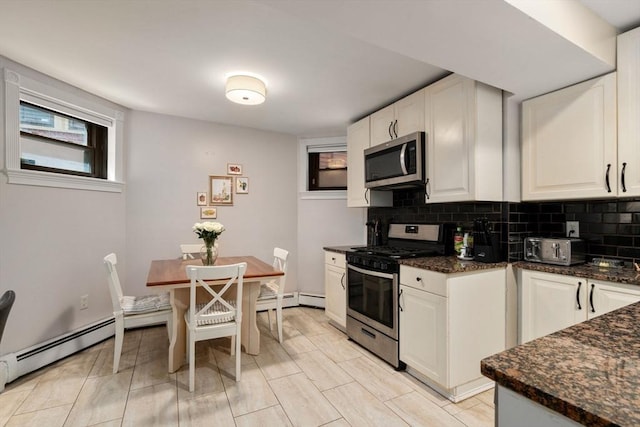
189,249
219,308
115,289
280,257
6,302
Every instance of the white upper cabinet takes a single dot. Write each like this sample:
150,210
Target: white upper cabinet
629,113
463,121
398,119
357,194
569,142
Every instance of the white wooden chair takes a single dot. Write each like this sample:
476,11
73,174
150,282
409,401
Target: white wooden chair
272,293
190,249
133,312
220,316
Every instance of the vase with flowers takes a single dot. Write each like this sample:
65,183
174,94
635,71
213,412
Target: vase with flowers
209,232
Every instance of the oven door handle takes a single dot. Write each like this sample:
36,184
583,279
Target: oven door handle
370,272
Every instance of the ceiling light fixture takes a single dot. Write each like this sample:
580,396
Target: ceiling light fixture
246,90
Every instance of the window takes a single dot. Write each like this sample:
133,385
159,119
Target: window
327,170
56,142
57,136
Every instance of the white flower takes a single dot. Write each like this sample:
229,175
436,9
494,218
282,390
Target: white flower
208,230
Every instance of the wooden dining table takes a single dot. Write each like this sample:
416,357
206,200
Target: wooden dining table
171,275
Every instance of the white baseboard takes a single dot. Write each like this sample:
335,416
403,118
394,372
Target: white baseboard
313,300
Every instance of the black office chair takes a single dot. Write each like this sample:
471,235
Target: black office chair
5,307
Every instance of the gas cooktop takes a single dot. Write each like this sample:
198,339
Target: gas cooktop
397,252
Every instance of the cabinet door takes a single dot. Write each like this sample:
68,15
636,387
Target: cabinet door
423,326
335,294
629,113
550,302
382,122
569,142
448,136
410,114
357,194
605,297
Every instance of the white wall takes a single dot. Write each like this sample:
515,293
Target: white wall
169,160
52,242
324,223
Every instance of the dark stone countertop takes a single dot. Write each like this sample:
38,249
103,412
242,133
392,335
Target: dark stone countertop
589,372
588,271
449,264
341,249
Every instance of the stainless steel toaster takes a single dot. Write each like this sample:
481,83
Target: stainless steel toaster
559,251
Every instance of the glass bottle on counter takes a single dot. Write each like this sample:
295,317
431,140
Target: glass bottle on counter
458,240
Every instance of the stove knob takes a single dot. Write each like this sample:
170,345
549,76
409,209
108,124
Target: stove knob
383,266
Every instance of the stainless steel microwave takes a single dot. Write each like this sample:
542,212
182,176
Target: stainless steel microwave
395,164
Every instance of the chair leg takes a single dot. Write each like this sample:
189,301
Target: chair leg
269,317
232,350
279,320
117,348
192,363
238,353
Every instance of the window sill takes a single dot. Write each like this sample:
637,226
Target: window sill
46,179
323,195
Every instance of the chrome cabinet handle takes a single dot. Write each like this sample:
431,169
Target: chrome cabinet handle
400,300
366,199
395,128
578,296
624,187
389,130
342,281
607,178
593,309
426,189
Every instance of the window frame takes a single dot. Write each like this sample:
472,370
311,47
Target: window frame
97,140
18,87
330,144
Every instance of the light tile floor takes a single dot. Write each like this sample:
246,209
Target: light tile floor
315,378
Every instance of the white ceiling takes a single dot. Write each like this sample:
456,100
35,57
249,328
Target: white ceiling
327,63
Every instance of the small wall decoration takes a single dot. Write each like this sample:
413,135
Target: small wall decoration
234,169
242,185
208,213
202,199
221,190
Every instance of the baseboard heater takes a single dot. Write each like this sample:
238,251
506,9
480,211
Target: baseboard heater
14,365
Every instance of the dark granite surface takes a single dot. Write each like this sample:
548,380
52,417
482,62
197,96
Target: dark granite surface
589,372
620,275
449,264
341,249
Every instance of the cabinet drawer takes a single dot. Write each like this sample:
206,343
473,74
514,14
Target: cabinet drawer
334,258
424,280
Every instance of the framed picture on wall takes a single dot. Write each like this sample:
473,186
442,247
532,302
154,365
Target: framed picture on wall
234,169
208,213
221,190
202,199
242,185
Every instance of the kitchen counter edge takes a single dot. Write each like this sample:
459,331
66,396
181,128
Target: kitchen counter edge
619,275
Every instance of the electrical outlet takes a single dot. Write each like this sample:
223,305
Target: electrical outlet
84,302
573,229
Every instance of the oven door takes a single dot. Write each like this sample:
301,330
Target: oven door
372,298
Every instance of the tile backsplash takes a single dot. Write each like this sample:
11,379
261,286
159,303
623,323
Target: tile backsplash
611,228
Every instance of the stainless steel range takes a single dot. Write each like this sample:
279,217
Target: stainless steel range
373,284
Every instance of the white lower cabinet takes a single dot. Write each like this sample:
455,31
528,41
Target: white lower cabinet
550,302
448,323
335,288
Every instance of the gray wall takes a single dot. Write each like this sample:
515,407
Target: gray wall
52,241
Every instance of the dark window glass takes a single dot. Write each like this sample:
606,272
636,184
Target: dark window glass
328,171
55,142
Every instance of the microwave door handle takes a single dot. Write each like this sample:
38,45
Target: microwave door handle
403,160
